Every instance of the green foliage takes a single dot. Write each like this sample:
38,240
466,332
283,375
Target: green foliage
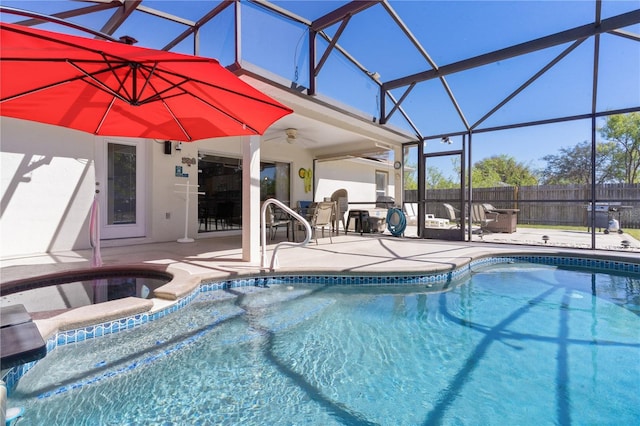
573,165
617,159
623,130
502,170
410,181
437,180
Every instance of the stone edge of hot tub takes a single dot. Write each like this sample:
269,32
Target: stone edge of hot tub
93,314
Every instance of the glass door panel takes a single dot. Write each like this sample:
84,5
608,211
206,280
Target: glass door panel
444,194
120,174
121,177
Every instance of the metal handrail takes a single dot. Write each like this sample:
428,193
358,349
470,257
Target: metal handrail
263,232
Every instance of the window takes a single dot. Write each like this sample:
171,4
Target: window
382,182
274,181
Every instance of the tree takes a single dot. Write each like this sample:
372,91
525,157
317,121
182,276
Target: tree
617,159
410,181
499,170
437,180
624,131
573,165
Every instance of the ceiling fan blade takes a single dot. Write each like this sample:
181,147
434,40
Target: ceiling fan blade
273,138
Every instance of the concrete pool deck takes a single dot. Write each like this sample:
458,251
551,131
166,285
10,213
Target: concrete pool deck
221,257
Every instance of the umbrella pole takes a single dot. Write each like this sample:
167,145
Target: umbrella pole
187,191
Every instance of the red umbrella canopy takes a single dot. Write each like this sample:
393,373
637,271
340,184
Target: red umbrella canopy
115,89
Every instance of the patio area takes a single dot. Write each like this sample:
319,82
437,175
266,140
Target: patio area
220,257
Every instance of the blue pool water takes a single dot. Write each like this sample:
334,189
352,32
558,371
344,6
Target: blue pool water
511,344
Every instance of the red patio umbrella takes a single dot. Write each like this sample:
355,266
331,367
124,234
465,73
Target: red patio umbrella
115,89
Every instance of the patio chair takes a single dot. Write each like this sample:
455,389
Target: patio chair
385,202
341,198
481,217
453,214
411,213
273,222
488,207
304,208
323,216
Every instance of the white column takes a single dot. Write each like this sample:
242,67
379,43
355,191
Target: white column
251,199
398,178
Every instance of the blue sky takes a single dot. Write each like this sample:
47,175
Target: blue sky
449,31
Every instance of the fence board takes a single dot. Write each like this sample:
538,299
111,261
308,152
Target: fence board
548,204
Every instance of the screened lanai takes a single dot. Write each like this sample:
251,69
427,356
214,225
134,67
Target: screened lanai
530,110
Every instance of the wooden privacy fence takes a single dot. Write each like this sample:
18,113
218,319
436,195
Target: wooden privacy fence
548,204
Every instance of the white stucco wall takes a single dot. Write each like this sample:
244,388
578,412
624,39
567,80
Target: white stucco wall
357,176
47,187
48,183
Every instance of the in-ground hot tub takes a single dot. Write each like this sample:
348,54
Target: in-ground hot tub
73,289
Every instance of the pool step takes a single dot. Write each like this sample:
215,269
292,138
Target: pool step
20,339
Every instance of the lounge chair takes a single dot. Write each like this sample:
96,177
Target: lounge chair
481,217
453,214
411,213
488,207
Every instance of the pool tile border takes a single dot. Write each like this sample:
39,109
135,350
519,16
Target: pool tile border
98,330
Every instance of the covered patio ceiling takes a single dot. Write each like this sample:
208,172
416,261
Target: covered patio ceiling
416,95
326,129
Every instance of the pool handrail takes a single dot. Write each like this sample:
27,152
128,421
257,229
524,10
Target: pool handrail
263,232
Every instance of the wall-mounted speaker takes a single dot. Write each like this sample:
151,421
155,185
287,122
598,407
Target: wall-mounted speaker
167,147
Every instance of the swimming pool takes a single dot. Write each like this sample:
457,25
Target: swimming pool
509,343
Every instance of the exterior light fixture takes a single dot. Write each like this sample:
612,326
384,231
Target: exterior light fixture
625,244
545,238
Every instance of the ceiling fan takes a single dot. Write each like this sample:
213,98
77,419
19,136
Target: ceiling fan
291,137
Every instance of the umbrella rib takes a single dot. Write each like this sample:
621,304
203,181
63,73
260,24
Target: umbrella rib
122,86
178,86
104,116
157,94
224,112
210,105
177,120
147,81
58,83
214,86
100,85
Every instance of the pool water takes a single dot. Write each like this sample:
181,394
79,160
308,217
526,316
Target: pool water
512,344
